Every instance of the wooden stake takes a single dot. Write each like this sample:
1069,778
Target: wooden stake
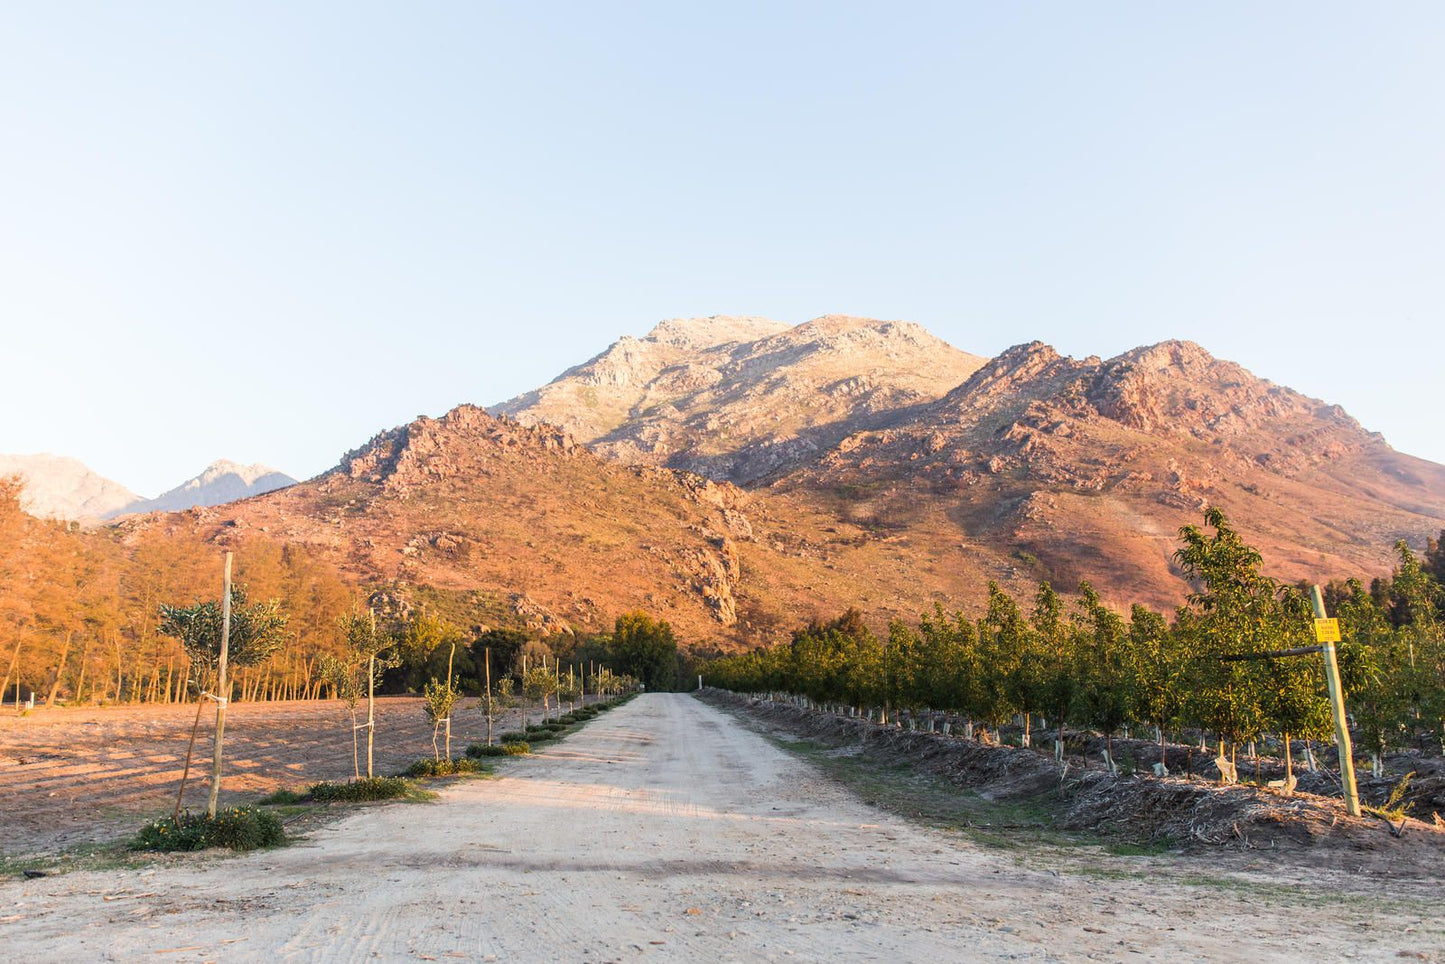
223,693
491,707
1337,706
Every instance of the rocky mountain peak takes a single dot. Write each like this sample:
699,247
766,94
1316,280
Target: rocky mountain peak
429,449
713,331
1179,388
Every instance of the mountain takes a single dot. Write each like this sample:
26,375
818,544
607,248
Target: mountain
907,492
56,487
221,482
738,399
522,524
1088,468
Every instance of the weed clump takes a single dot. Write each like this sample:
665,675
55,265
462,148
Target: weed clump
239,828
356,791
428,767
511,748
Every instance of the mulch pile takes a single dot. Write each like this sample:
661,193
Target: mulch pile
1188,811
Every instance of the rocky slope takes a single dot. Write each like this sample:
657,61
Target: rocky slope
1087,469
56,487
1032,466
737,399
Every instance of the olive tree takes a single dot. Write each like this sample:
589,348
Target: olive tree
247,633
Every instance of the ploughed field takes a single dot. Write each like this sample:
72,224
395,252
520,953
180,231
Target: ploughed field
671,829
72,776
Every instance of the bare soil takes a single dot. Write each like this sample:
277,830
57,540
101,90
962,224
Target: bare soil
85,775
668,830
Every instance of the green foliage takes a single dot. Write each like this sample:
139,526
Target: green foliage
256,631
646,649
356,791
513,748
428,767
1090,667
505,646
239,828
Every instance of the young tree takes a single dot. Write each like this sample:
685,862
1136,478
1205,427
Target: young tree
216,635
366,653
1105,698
538,684
496,699
343,675
1051,672
1002,642
1235,612
1159,665
438,701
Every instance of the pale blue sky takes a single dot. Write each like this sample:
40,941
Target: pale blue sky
266,231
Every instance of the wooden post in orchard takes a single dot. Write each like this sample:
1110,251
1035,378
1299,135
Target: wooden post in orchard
371,695
1327,633
223,694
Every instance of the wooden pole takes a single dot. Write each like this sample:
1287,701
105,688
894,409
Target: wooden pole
1337,707
491,708
450,660
371,696
223,693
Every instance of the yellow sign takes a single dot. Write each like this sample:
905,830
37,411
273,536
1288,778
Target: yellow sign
1327,630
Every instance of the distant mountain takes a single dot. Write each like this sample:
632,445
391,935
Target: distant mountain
221,482
56,487
738,399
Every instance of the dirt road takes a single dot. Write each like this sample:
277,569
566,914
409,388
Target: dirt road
666,830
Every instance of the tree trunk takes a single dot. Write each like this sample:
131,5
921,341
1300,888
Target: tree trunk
450,659
1288,765
84,659
355,747
14,662
59,670
370,710
225,694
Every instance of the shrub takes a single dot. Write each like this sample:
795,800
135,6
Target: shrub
512,736
355,791
542,737
428,767
239,828
510,748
